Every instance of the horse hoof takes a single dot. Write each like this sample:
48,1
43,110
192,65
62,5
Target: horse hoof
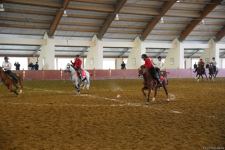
146,103
153,99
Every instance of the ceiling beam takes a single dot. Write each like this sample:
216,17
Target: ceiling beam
24,26
160,53
220,34
207,9
221,55
166,6
41,3
110,18
194,53
58,17
124,52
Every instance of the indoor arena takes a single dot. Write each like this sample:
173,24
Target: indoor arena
112,74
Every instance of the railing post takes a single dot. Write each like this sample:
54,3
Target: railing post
94,74
43,74
24,74
110,73
61,75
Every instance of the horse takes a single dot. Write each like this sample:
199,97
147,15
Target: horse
200,71
11,84
213,71
151,84
78,83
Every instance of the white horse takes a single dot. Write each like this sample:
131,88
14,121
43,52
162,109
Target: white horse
84,84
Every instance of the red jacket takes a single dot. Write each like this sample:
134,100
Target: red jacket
148,63
77,63
201,63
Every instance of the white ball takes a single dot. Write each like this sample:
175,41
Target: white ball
118,96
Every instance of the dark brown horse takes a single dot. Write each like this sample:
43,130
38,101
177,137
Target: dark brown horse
151,84
11,84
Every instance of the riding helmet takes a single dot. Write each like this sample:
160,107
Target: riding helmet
6,57
144,56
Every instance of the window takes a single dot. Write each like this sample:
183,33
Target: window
60,63
108,63
23,61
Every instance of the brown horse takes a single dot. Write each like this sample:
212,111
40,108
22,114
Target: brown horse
151,84
11,84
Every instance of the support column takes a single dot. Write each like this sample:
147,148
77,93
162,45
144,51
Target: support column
175,56
46,59
212,51
95,55
134,60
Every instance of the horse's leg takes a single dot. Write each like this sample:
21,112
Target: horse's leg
143,91
206,76
155,93
11,88
197,77
149,92
78,88
21,85
165,89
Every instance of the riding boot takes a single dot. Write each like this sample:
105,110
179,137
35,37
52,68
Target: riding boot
14,77
155,75
158,80
84,79
80,77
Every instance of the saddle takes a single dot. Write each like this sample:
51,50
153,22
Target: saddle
81,73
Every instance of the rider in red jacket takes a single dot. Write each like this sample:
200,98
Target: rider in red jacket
149,65
77,65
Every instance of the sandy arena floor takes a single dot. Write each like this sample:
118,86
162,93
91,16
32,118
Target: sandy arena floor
112,116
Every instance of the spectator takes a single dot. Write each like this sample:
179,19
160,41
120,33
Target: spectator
36,66
195,67
31,66
123,65
17,65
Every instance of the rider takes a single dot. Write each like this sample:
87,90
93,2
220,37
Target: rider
7,67
159,64
77,65
201,63
149,65
213,62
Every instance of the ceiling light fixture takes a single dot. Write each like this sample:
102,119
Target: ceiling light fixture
117,17
178,1
162,20
65,13
2,7
203,21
